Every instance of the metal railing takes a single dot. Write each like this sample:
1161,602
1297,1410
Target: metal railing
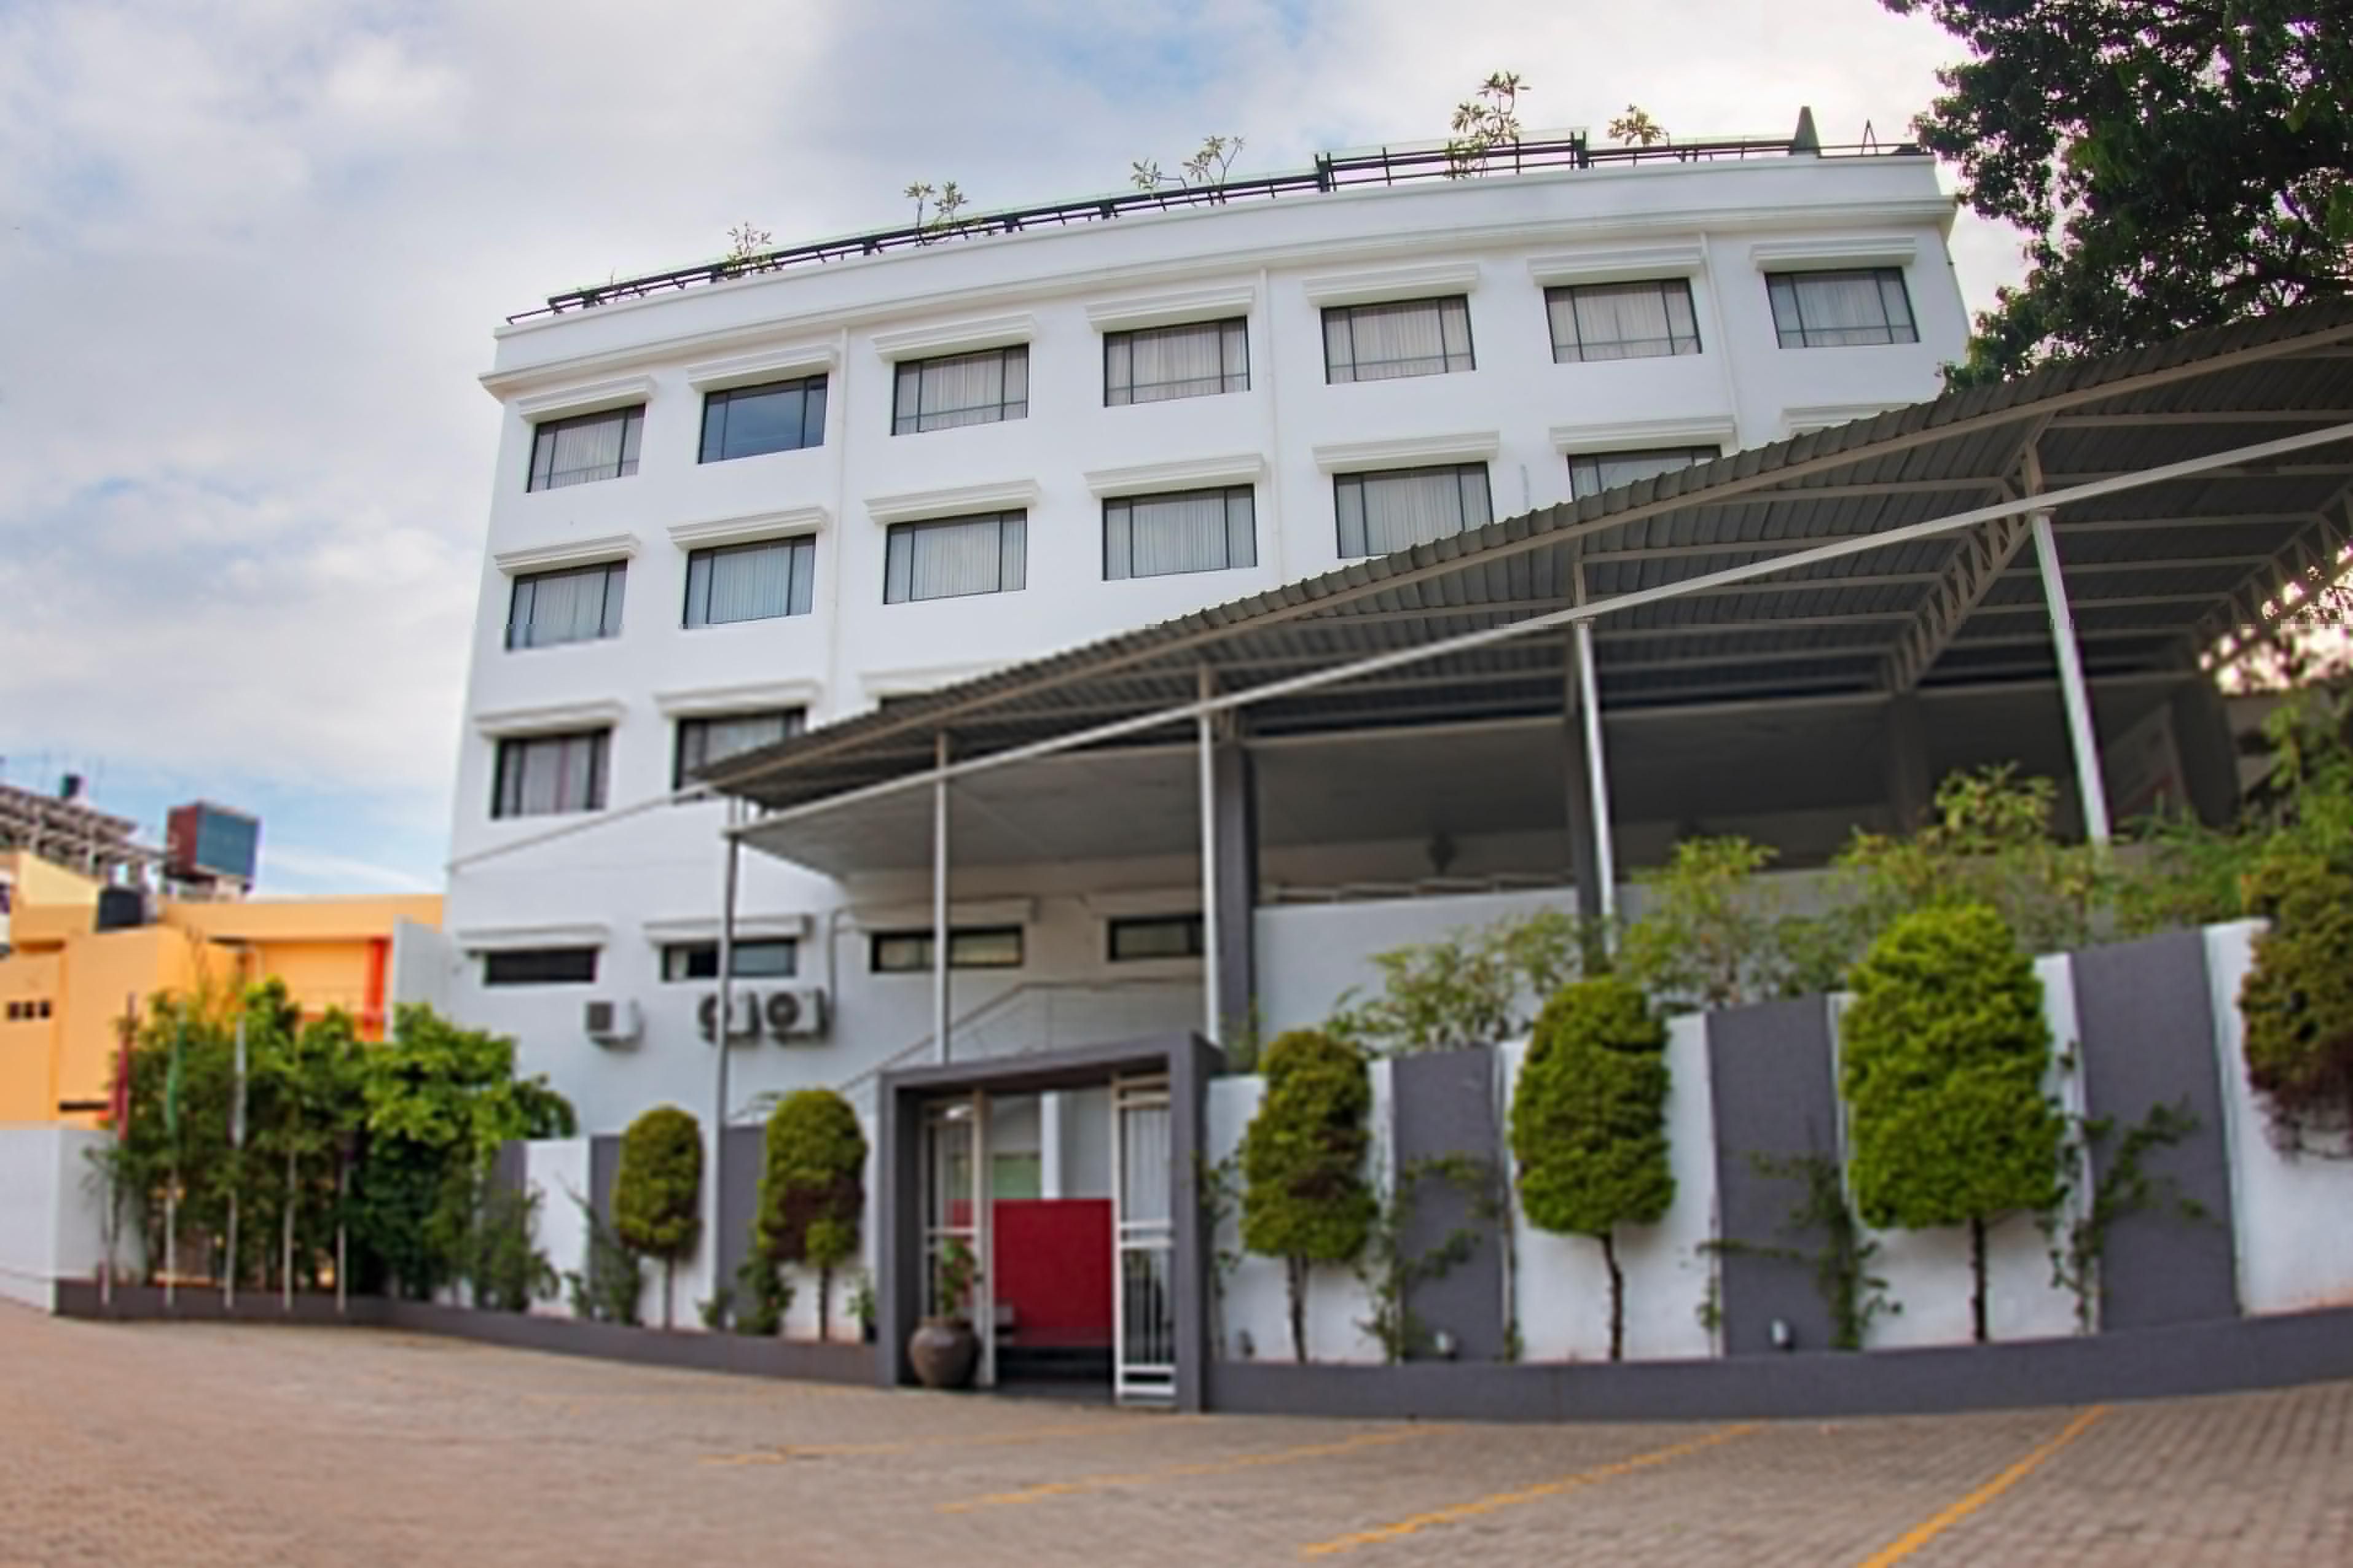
1330,172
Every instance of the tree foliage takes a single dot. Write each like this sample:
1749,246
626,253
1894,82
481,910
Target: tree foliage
2297,1000
658,1191
1588,1122
812,1187
1468,987
1942,1053
1709,936
1304,1195
2172,165
1485,121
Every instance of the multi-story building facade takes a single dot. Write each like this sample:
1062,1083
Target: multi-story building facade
727,512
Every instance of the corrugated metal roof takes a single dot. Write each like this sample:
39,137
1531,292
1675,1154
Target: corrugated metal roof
1830,626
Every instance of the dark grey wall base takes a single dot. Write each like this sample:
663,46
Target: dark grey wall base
2219,1357
201,1304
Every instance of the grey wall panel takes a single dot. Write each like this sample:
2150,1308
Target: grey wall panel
510,1165
604,1170
740,1156
1443,1104
1770,1074
2147,1023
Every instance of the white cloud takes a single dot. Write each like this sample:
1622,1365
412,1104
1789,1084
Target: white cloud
252,254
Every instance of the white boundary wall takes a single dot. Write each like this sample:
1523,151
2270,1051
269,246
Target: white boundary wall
52,1214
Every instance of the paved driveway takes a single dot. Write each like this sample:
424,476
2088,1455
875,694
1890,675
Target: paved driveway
201,1444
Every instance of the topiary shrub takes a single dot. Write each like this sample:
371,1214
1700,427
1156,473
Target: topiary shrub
2297,1000
1588,1122
1304,1196
813,1188
657,1192
1942,1053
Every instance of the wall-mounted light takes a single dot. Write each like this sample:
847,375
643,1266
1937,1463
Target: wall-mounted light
1445,1344
1784,1338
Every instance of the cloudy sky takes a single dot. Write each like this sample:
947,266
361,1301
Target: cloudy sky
251,254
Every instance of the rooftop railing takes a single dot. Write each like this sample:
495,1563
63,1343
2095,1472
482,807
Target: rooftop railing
1330,172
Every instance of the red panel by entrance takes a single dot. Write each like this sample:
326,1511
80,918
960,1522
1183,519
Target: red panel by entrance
1053,1264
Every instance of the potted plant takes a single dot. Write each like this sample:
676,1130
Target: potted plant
862,1307
943,1349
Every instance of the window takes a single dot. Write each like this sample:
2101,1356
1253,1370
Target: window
539,774
771,958
1839,309
580,451
962,389
780,417
1404,506
1380,342
1591,473
1622,320
957,555
1155,936
969,947
751,582
1191,530
702,741
541,966
1200,360
579,605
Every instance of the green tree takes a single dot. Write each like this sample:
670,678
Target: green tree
1304,1196
2172,165
813,1188
1467,987
1588,1122
2297,1000
1709,936
1942,1053
658,1191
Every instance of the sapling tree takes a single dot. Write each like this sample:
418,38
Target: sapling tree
1942,1053
657,1192
1304,1196
813,1188
1588,1122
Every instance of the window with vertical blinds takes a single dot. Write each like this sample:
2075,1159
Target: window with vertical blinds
746,421
1622,320
1591,473
962,389
751,582
1188,531
578,606
1396,510
539,776
954,556
580,451
704,741
1410,337
1202,359
1841,309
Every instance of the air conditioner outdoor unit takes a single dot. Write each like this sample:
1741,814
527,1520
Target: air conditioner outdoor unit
742,1017
797,1015
612,1022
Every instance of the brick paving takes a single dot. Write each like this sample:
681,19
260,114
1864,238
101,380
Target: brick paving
201,1444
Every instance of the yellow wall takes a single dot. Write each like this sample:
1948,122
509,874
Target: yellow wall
28,1044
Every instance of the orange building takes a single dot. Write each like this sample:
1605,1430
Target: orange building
65,982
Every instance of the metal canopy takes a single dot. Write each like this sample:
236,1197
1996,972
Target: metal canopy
2159,575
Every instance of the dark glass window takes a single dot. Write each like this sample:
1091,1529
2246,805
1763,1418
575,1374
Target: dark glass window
1622,320
770,958
540,966
957,555
962,389
751,582
1155,936
1202,359
702,741
781,416
1841,309
541,774
1591,473
1190,530
969,947
1411,337
581,605
1383,512
580,451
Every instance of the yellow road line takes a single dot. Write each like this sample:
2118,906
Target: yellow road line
1594,1477
1179,1472
1919,1535
1022,1435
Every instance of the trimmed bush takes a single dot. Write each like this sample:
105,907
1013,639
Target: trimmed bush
1588,1122
657,1192
2297,1000
1943,1054
1304,1196
813,1188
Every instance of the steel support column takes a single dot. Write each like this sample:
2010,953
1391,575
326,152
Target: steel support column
1212,1002
716,1169
940,898
1598,774
1584,861
2089,785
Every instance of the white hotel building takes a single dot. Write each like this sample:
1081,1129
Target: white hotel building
729,507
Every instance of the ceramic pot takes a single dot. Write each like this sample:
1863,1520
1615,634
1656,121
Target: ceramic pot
943,1352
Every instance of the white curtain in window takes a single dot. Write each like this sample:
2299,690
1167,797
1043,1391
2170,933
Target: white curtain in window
964,389
751,582
1831,310
1180,362
1591,473
944,560
716,739
1384,513
1623,321
1377,342
1206,531
566,607
551,773
590,449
